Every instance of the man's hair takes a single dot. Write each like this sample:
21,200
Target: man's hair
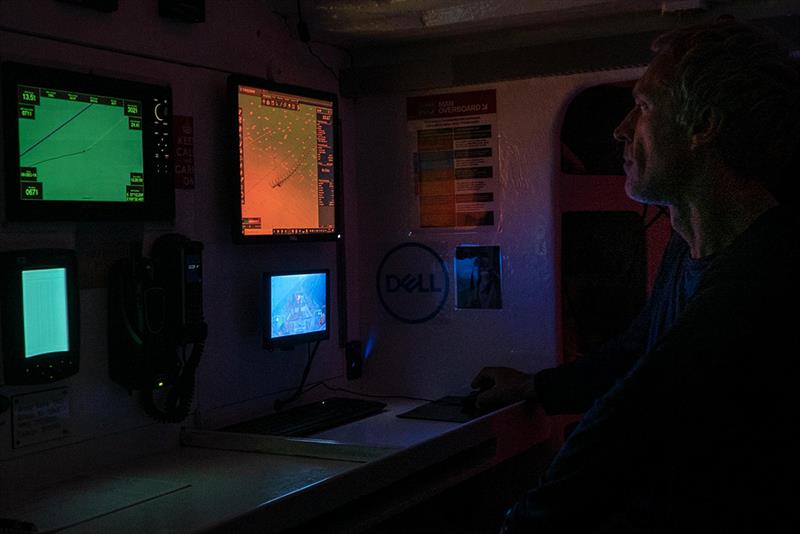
748,77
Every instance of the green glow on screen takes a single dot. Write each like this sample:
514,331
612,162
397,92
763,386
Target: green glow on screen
44,311
83,147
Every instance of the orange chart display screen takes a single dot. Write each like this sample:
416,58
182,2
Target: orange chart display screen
286,163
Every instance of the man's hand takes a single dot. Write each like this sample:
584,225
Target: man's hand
501,386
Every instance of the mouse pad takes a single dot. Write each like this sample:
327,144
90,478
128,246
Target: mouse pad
448,408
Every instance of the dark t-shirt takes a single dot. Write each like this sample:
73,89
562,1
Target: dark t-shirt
572,388
691,414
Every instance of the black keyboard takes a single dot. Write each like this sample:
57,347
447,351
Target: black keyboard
309,418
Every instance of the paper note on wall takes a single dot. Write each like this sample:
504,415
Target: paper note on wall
40,416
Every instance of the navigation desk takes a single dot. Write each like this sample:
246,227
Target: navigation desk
349,479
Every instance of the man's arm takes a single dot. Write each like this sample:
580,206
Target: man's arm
568,388
572,388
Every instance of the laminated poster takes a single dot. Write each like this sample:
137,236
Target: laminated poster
454,153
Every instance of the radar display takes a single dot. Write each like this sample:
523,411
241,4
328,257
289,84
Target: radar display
286,163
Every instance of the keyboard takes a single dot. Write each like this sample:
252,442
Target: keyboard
310,418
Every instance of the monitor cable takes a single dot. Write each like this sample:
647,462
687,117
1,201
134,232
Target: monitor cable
280,403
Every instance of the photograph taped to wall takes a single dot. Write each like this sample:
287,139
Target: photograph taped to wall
478,277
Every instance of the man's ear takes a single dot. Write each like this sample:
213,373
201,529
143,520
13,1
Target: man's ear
706,129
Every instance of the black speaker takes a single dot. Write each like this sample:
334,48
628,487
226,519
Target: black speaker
354,359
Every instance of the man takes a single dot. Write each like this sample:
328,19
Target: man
690,415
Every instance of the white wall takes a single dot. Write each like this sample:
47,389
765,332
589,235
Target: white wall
236,376
442,355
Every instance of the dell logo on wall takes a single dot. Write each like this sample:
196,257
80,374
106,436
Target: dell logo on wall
413,283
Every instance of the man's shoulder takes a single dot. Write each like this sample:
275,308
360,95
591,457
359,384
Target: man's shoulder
766,254
774,235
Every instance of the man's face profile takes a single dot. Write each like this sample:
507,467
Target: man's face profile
656,147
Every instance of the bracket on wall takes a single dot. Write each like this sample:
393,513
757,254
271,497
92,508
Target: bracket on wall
183,10
106,6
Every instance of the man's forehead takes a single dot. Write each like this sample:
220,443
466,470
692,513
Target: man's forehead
655,79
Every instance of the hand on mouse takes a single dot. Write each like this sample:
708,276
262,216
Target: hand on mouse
501,386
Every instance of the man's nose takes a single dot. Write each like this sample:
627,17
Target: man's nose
623,131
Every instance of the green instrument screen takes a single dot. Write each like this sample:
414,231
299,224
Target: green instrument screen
44,311
79,147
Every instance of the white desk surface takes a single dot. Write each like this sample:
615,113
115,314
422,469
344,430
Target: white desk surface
197,489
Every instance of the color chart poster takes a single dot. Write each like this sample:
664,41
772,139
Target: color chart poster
454,154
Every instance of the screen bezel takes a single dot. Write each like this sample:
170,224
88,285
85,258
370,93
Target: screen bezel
158,174
46,367
234,81
286,342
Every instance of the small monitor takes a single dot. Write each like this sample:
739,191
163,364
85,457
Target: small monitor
297,308
284,162
85,147
40,315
